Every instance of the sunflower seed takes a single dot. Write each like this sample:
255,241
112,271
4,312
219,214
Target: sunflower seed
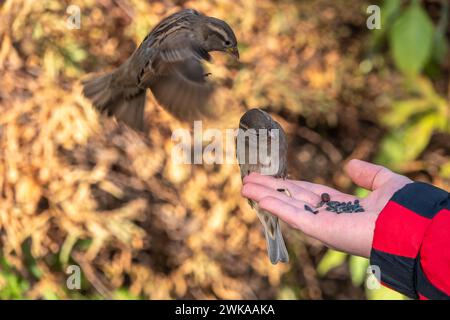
340,206
325,197
308,208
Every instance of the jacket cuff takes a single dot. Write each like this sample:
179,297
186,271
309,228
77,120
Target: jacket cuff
399,233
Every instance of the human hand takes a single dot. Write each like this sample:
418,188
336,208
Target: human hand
349,232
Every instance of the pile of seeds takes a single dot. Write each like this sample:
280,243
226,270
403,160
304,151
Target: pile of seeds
333,206
340,207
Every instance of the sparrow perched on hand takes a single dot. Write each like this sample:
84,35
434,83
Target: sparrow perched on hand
169,63
253,124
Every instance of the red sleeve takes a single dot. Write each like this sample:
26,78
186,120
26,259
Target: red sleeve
411,244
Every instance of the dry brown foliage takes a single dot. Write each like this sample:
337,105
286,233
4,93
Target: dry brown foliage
77,188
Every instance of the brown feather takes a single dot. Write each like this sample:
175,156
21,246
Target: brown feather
169,63
257,119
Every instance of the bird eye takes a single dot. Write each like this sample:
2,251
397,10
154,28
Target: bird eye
227,43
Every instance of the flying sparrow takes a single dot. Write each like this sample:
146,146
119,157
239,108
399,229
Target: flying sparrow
262,147
169,63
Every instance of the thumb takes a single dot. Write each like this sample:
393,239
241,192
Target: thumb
367,175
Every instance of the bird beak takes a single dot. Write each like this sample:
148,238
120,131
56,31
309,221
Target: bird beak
234,52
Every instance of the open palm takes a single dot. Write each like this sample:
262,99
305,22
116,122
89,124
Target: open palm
349,232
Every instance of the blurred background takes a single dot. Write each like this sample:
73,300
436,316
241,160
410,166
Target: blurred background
79,189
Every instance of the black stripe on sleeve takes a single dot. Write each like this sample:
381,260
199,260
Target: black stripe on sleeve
422,198
396,272
426,288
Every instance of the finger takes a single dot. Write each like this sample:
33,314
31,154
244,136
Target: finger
294,190
257,192
301,190
348,232
367,175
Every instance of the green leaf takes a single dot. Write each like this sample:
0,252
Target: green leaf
421,86
30,261
330,260
67,247
73,52
384,293
288,293
411,40
442,114
358,269
50,295
407,143
361,192
402,110
125,294
440,41
440,47
418,136
83,244
391,152
12,286
389,11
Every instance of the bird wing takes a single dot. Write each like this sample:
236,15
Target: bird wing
177,78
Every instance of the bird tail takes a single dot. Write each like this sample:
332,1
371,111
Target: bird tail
113,101
276,248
